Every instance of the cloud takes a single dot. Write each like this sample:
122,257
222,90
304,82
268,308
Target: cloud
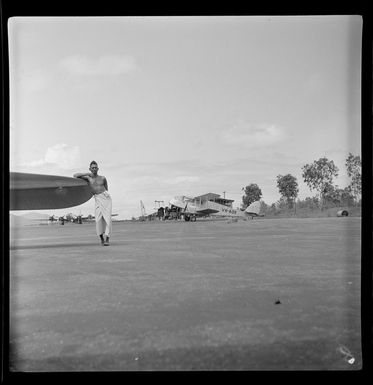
60,156
104,65
252,135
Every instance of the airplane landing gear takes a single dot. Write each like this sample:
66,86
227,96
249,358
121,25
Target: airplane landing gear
191,218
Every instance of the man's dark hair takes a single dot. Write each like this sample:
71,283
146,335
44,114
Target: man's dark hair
93,162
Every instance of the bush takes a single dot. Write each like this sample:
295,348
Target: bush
308,208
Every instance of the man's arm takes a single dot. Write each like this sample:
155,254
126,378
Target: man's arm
83,175
105,184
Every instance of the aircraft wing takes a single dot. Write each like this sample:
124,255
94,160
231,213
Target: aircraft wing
38,192
207,211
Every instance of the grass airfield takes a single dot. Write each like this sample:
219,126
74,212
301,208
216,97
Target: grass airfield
170,296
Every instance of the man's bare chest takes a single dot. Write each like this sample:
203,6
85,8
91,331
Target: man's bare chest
98,181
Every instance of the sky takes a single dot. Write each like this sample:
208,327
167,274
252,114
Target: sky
173,106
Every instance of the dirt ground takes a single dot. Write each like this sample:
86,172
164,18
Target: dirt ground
273,294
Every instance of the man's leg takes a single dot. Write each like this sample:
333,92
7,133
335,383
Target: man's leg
100,228
107,231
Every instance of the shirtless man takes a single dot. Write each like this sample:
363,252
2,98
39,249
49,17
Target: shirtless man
103,207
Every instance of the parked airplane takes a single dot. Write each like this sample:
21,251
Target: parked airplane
53,218
212,204
73,218
70,217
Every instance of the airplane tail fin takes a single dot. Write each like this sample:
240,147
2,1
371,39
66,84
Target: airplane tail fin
253,209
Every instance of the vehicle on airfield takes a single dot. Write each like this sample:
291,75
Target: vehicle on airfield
211,204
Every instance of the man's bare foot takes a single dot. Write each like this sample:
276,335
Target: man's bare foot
106,243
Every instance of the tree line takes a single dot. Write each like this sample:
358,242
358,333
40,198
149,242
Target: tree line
319,177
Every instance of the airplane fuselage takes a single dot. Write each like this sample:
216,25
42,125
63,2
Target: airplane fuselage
194,207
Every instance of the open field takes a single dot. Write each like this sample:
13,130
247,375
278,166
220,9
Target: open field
187,296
